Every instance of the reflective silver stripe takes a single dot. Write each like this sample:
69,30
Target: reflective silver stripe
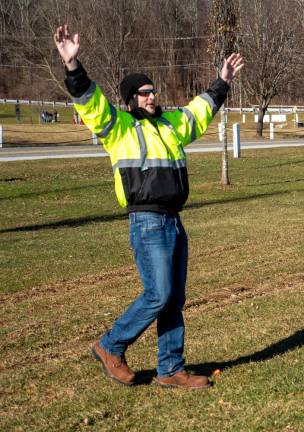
142,143
191,121
105,131
150,163
170,126
167,123
182,152
82,100
210,101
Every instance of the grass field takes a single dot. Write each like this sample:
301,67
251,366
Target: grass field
67,271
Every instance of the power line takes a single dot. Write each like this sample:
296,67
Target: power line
20,37
12,66
185,65
172,38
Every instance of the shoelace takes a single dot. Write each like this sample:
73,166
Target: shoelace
121,361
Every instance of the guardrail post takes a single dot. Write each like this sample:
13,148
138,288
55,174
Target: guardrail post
1,136
94,139
220,132
244,118
296,118
271,131
236,140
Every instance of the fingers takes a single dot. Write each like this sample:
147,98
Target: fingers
236,62
238,67
232,65
62,33
66,31
59,34
76,39
234,59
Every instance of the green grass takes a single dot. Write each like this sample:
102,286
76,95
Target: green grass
30,114
67,271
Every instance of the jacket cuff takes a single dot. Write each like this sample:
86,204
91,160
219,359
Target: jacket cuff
218,92
77,82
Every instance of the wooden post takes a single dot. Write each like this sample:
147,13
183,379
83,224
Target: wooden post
225,176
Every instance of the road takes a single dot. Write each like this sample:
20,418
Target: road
56,152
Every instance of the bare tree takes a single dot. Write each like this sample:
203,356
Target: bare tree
28,41
113,45
111,38
168,41
223,27
270,30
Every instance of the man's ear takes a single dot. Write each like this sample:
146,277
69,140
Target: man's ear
133,104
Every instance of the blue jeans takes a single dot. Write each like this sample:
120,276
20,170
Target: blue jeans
160,247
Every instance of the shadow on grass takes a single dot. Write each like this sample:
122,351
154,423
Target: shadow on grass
240,199
145,376
67,223
76,222
46,192
11,179
288,344
279,165
275,183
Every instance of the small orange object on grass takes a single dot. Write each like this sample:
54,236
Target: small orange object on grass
217,372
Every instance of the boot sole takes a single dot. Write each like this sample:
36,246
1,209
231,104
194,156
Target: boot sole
98,358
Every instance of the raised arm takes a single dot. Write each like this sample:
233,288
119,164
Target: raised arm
89,101
68,46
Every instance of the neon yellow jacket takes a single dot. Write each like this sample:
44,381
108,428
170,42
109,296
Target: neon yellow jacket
148,160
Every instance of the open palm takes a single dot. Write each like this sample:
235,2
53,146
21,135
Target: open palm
67,45
232,65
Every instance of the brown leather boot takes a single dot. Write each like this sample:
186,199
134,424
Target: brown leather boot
182,379
115,366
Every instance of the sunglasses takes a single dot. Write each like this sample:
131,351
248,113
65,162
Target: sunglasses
146,92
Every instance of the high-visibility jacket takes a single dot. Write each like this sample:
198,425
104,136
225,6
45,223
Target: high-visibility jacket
148,160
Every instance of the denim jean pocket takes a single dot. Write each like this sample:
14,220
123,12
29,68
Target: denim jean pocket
155,222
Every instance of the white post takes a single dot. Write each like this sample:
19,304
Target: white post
236,140
244,118
94,139
220,132
296,117
271,131
1,137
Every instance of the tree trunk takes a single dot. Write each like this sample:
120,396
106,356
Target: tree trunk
260,125
225,171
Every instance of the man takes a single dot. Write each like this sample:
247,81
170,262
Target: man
146,148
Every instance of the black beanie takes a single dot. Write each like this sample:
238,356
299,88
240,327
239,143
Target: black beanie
131,83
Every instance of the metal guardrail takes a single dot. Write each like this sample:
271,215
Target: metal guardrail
34,102
254,108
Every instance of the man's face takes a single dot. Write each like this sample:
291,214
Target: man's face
146,99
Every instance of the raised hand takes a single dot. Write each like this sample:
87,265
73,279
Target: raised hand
67,45
232,65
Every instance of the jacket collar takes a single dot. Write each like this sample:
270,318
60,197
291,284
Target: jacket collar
141,113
